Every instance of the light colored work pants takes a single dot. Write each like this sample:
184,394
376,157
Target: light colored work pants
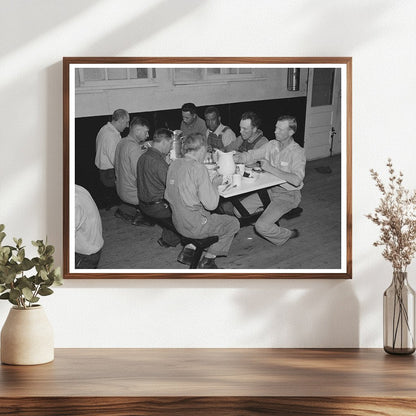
224,226
282,202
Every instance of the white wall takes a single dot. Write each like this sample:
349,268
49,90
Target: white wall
164,95
380,36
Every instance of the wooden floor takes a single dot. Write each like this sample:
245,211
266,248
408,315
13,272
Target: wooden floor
318,246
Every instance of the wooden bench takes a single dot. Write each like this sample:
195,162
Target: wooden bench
200,243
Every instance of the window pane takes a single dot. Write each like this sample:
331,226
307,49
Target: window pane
116,73
188,74
142,73
77,79
94,74
138,73
323,86
132,73
213,71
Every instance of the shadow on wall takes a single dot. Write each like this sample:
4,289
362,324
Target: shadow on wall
58,13
336,17
140,27
128,34
301,314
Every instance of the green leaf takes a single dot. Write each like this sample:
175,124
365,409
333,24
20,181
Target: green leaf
49,250
5,295
27,293
45,291
21,255
25,282
18,242
14,302
2,288
43,274
57,276
1,227
8,276
26,264
15,294
2,236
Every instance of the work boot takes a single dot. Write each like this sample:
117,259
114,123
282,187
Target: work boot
186,256
139,220
207,263
294,233
163,243
123,216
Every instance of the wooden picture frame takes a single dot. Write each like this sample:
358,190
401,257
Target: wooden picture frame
93,87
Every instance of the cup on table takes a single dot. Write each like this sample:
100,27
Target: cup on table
240,168
236,179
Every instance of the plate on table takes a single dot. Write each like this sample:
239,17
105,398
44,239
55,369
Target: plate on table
250,176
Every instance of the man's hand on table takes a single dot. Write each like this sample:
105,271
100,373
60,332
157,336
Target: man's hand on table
217,180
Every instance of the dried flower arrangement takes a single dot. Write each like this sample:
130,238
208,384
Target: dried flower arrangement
396,216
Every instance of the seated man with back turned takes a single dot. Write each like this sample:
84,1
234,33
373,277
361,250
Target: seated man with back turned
218,136
88,230
128,152
192,196
284,158
152,170
191,122
251,136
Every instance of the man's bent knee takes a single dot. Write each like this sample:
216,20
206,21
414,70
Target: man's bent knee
262,227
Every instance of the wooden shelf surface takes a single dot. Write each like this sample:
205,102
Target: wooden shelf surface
212,381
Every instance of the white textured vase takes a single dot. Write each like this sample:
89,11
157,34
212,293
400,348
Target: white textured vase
27,337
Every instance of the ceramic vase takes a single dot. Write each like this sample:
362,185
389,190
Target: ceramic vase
27,337
399,316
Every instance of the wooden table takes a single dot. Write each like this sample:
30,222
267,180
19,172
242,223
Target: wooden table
212,382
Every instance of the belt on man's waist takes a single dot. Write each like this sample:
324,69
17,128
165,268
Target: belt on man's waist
159,201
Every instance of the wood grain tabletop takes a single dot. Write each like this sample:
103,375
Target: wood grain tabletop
232,381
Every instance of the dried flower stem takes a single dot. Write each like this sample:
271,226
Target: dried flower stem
396,216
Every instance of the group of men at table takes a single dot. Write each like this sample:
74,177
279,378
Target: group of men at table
181,190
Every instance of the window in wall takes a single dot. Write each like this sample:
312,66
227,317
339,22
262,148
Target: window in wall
194,75
118,77
323,86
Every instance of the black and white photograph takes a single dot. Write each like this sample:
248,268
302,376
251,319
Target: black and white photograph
212,168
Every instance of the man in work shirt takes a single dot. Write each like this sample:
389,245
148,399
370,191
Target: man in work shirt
284,158
218,136
88,230
105,143
251,136
192,196
127,154
152,170
191,122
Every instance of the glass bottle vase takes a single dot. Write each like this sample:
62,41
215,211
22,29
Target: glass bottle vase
399,316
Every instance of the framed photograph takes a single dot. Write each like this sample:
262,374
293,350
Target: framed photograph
221,168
